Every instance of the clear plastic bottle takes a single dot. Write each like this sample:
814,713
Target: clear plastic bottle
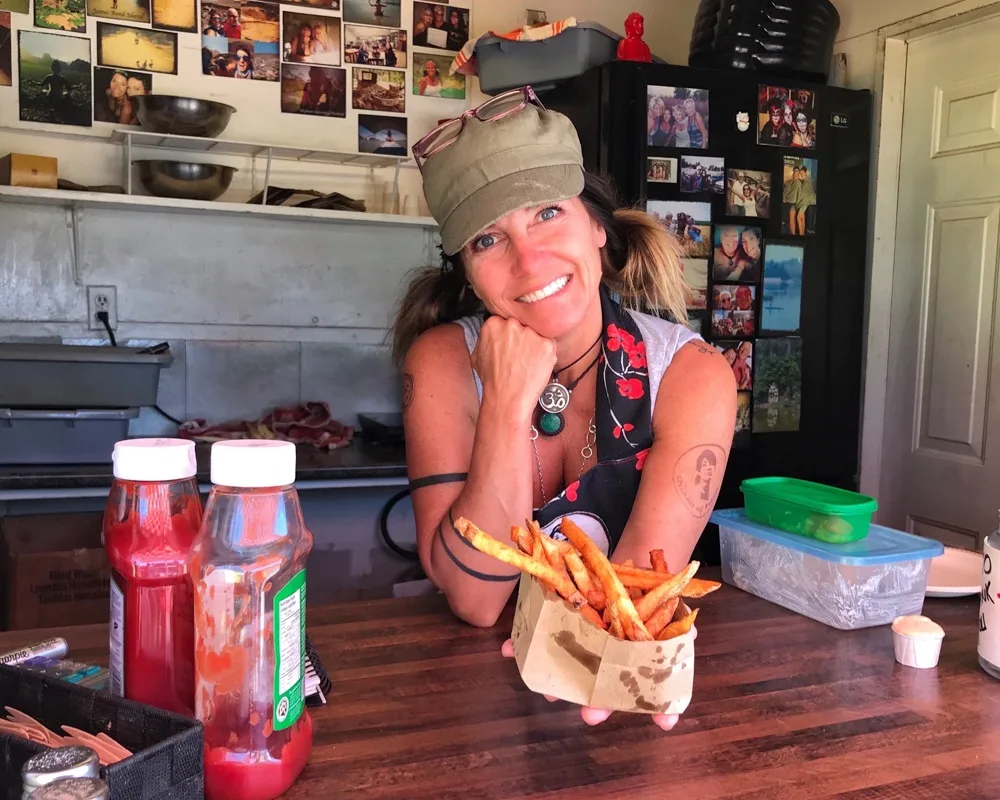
152,517
989,607
248,568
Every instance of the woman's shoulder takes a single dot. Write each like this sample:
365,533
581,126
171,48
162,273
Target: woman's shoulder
446,343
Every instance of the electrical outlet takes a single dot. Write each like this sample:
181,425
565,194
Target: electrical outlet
102,298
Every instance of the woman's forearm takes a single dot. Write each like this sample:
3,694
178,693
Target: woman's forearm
496,495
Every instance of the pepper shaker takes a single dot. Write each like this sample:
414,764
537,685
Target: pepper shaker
74,761
73,789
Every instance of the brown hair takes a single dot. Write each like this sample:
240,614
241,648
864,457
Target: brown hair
642,265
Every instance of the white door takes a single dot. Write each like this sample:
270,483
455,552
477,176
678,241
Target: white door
940,472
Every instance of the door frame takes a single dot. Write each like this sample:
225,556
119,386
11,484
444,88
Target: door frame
887,134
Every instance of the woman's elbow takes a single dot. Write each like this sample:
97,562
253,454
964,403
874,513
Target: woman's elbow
474,612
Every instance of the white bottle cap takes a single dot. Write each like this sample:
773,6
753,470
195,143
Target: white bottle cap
154,460
253,463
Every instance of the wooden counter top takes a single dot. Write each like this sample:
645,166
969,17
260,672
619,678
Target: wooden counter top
425,707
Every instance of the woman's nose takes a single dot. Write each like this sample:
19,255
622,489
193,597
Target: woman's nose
528,257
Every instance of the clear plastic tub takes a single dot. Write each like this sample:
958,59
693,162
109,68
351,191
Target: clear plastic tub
846,586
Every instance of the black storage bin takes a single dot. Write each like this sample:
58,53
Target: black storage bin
786,38
168,760
44,436
74,376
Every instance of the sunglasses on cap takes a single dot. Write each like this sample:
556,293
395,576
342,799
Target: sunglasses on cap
494,109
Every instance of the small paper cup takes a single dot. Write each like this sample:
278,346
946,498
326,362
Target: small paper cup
917,641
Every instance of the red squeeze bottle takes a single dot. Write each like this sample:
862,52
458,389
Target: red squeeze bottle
151,519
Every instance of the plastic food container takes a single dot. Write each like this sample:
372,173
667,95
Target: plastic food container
47,436
810,509
859,584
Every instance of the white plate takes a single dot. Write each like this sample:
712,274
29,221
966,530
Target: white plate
956,573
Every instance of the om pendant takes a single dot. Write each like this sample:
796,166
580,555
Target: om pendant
554,398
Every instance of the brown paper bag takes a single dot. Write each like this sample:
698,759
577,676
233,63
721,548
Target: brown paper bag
561,654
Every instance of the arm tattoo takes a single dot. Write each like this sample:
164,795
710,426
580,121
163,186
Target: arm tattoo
698,477
482,576
434,480
407,390
704,349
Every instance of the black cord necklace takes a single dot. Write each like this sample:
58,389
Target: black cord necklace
554,400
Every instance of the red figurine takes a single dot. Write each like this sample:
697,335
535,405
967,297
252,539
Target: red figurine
632,47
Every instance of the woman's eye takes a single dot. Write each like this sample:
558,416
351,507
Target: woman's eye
549,213
484,241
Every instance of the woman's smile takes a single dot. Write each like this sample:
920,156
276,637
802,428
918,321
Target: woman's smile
546,291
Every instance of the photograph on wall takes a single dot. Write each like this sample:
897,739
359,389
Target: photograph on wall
326,5
431,78
440,26
740,358
384,13
6,49
310,38
17,6
314,91
736,253
691,223
782,291
742,429
733,311
384,136
798,196
375,47
748,193
696,277
121,10
63,15
777,389
175,15
54,79
136,48
115,91
241,20
786,117
239,58
374,89
703,174
661,170
676,117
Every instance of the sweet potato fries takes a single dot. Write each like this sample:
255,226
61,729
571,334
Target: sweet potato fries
629,602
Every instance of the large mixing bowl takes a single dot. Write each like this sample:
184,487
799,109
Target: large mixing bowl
185,180
186,116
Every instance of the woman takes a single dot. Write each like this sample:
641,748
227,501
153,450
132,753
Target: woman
430,84
302,44
521,313
803,136
117,107
804,199
657,123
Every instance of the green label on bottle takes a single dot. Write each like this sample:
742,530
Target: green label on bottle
289,651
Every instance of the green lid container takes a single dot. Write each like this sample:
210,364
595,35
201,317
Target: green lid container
820,512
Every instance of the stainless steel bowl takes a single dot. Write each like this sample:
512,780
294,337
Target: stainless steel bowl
186,116
184,179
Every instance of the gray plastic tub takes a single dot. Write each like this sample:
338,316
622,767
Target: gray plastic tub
62,437
75,377
504,64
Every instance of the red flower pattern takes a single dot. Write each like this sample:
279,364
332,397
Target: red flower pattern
571,491
619,339
620,429
637,356
630,388
640,459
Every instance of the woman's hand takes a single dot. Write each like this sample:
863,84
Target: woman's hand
513,362
595,716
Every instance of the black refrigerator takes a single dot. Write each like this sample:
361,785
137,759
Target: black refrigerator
765,182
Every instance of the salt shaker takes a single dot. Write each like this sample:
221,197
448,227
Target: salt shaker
73,789
989,607
74,761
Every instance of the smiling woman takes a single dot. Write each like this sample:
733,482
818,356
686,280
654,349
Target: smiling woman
539,385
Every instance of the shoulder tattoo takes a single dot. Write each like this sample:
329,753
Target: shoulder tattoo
698,477
407,390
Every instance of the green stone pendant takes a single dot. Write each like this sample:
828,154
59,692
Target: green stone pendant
551,424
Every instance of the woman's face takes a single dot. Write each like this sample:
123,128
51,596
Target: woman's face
430,69
776,115
540,266
678,111
427,16
689,106
135,87
306,33
706,470
118,84
751,244
730,241
801,122
439,15
454,20
657,107
788,115
319,32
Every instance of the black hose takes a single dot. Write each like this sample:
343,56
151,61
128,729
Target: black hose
383,524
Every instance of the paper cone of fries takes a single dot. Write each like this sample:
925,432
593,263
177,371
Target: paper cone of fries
610,636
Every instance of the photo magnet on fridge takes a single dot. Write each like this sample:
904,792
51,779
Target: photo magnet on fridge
799,196
748,193
734,310
691,223
703,174
744,406
736,254
740,358
677,117
777,392
782,292
786,117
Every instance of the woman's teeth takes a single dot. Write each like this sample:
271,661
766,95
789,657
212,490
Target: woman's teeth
544,292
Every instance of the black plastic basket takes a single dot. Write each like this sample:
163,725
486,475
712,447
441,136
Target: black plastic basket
168,760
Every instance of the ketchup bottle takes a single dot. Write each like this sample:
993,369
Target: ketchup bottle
248,570
152,517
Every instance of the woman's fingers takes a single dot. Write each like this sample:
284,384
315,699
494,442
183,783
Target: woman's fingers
594,716
507,650
665,721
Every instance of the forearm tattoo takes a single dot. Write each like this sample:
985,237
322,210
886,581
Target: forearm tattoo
698,477
442,535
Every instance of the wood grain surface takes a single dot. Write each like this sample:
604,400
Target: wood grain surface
425,707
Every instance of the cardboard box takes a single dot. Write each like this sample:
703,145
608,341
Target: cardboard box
560,653
54,570
36,172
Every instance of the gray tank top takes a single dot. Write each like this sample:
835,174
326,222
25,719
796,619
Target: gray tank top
662,337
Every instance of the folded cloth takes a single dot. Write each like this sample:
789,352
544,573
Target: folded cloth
465,61
308,423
